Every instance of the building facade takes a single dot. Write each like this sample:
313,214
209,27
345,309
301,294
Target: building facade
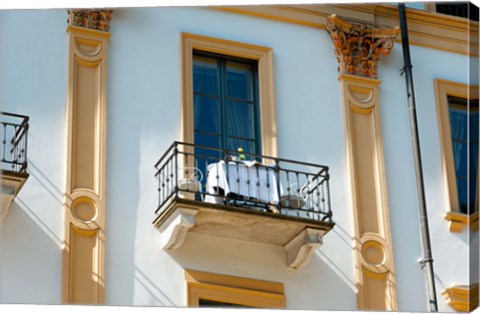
254,156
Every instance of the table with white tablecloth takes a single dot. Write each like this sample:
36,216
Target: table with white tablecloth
248,180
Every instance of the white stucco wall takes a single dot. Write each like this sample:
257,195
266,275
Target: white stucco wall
450,250
33,82
305,81
143,119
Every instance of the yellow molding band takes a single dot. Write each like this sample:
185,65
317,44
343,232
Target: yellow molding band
426,29
88,32
457,221
462,298
231,289
274,17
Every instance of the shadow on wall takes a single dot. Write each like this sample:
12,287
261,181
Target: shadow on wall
31,243
331,287
45,182
30,259
319,286
122,199
153,293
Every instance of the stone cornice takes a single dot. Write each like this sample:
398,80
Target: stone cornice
358,46
426,29
97,19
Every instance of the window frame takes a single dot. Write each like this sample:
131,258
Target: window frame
236,290
266,93
444,89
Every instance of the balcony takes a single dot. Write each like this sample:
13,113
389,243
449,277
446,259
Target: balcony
14,157
248,197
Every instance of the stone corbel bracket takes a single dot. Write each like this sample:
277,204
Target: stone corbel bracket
358,46
301,248
175,230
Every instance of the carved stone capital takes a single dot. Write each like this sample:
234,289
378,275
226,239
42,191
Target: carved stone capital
358,46
300,249
97,19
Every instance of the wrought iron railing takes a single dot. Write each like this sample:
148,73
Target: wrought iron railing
229,178
462,9
14,141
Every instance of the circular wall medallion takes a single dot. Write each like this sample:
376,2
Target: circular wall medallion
374,253
84,209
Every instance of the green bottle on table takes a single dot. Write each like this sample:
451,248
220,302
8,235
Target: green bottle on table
241,156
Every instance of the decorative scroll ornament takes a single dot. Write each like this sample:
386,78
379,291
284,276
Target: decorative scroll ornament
358,46
90,18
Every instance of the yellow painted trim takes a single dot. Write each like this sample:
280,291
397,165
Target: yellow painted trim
280,14
83,244
426,29
374,263
89,32
264,57
443,89
457,221
236,290
462,298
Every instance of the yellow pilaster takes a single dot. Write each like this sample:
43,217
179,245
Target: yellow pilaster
357,49
83,250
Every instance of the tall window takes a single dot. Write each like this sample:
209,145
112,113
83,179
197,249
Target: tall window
464,133
238,92
457,110
225,102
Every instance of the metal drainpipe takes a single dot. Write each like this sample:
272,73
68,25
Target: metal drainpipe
427,261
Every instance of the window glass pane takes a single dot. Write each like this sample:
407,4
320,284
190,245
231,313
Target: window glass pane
207,140
464,132
474,125
240,120
209,303
248,146
460,157
205,156
473,159
239,81
473,192
462,194
207,114
225,104
458,123
205,75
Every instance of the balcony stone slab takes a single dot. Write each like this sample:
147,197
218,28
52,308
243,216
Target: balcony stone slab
12,182
298,236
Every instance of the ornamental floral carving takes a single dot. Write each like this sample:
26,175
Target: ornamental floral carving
90,18
358,46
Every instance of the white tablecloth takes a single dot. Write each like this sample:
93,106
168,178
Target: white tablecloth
244,178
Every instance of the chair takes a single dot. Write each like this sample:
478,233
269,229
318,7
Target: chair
192,182
295,198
